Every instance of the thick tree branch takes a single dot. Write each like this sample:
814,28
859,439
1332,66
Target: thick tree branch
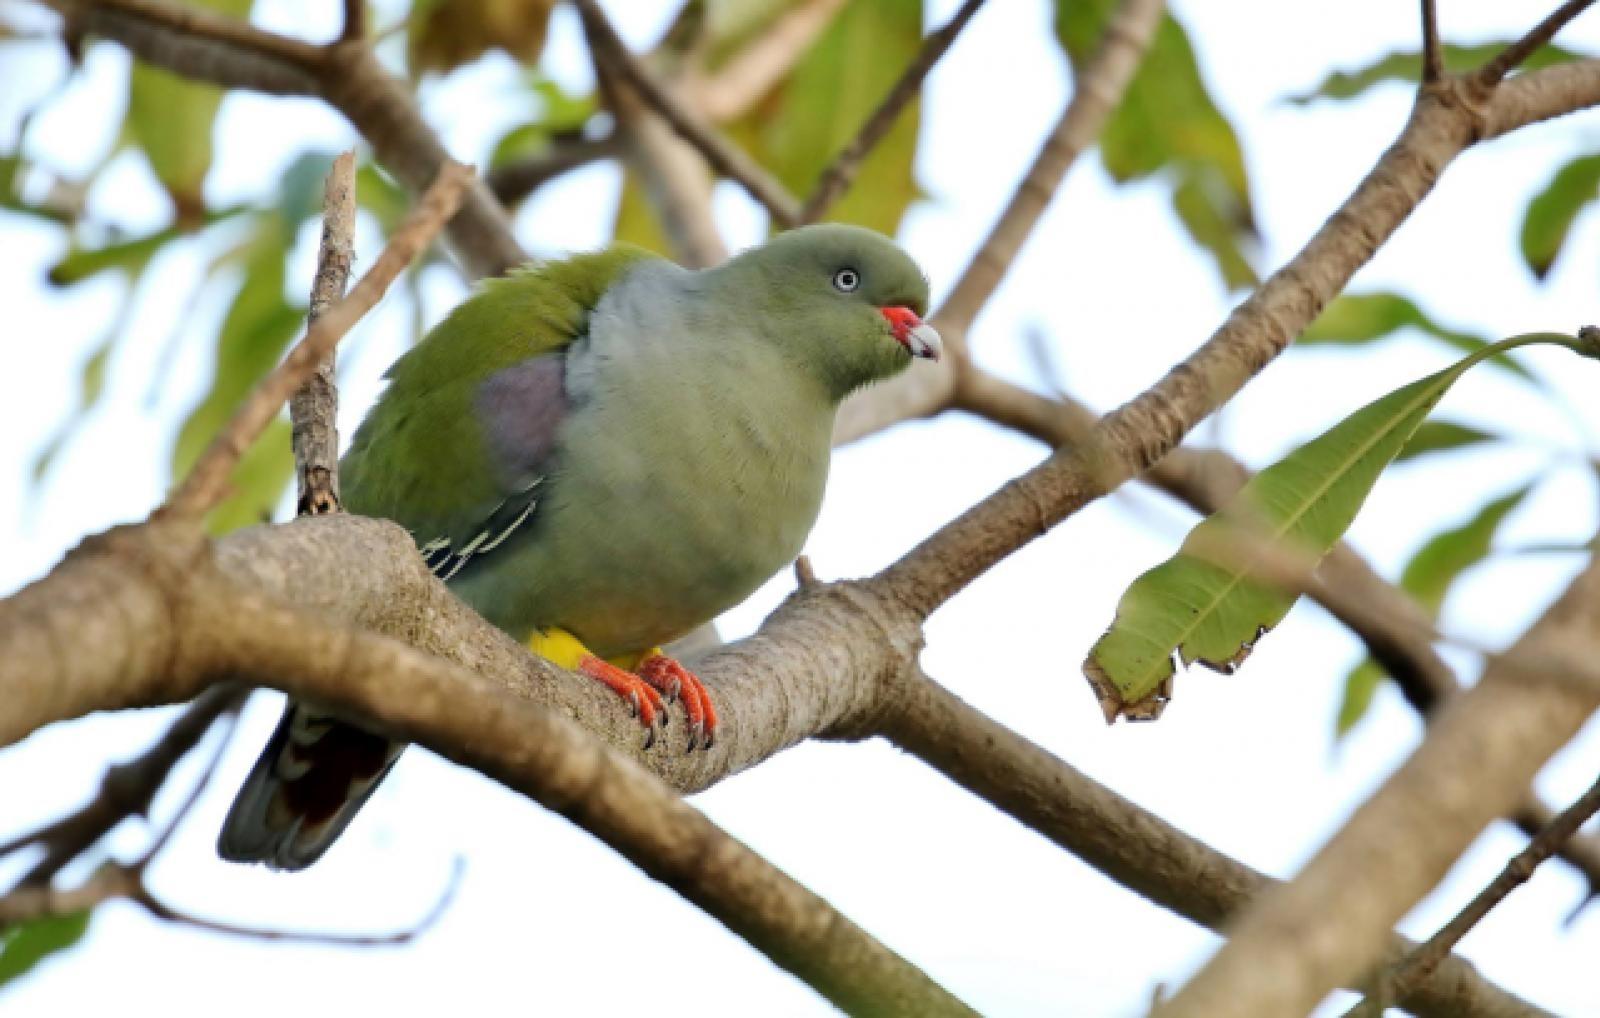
514,182
760,64
1137,849
835,180
1478,759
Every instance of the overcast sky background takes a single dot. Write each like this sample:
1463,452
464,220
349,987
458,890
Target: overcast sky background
993,911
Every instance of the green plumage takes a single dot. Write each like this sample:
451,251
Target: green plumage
608,446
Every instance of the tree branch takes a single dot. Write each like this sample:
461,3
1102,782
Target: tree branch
207,482
1510,58
1516,873
514,182
314,407
724,157
760,64
1432,51
1131,846
836,179
1478,759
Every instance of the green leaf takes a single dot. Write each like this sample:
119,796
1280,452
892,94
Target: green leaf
301,186
636,221
560,115
1406,66
1360,686
1355,319
1438,563
381,196
798,129
1204,604
170,119
91,386
1428,577
1553,210
1443,436
1169,124
25,945
258,326
130,256
258,481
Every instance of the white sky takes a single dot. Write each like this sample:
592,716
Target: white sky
1000,916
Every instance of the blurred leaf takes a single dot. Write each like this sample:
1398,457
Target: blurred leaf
560,115
1355,319
1203,604
301,186
1553,210
1442,436
1168,123
636,221
444,34
1407,67
1359,688
130,256
258,326
170,119
12,170
25,945
381,196
1438,563
91,386
259,481
1428,577
798,129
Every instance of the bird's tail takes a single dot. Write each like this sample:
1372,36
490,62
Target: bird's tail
313,776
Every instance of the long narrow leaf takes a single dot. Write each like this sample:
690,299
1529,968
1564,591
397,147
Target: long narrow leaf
1211,607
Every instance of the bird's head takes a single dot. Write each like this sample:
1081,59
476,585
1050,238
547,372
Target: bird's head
846,301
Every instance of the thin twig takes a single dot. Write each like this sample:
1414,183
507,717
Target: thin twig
513,182
161,910
314,408
127,789
1097,92
1432,51
230,725
1421,962
1510,58
723,156
355,20
839,174
207,483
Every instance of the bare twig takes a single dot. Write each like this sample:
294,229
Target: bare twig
355,20
1510,58
751,73
127,788
1432,51
513,182
727,159
313,409
207,483
839,174
1426,958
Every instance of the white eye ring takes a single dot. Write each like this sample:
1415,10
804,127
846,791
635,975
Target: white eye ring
846,280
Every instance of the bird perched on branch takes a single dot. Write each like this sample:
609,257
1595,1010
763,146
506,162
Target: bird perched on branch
599,455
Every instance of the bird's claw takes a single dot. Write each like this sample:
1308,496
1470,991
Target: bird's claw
678,683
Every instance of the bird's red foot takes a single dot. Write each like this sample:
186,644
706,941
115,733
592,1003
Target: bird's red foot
674,682
646,703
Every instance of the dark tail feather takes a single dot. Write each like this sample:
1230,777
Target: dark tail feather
309,782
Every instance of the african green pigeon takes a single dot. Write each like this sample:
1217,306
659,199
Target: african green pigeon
599,455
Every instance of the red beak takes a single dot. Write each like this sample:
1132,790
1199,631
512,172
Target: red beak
918,337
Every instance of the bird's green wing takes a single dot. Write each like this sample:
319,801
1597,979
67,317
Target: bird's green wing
432,454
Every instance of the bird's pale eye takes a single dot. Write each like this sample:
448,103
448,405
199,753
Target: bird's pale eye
846,280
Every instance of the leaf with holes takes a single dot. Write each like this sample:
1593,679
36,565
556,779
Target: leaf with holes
1209,603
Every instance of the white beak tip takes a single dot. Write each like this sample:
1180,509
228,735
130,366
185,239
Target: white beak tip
924,341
